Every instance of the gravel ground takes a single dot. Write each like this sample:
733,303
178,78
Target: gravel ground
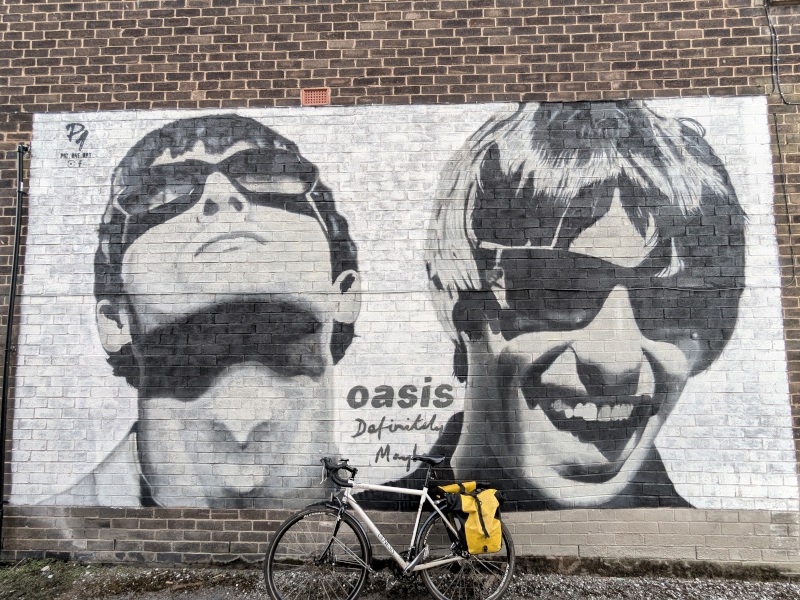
227,584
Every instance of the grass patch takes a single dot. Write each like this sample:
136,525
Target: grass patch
38,579
52,579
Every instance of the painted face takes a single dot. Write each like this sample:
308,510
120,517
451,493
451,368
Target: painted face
584,372
230,309
219,226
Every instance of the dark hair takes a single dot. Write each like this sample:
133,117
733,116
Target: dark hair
548,171
119,228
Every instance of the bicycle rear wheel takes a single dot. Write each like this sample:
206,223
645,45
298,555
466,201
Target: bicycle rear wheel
315,555
476,577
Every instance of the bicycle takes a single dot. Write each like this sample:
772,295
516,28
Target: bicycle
323,551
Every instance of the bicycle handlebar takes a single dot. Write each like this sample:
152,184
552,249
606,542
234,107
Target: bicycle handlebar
332,471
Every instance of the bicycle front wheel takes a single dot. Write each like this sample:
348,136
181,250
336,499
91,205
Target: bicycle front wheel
475,577
314,554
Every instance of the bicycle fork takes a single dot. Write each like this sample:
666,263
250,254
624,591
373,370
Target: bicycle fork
328,554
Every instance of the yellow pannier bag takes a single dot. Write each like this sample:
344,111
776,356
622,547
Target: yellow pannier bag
475,514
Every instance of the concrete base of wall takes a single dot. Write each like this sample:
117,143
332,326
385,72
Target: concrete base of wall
159,536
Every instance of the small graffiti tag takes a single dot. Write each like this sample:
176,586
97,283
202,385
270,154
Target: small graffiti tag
77,134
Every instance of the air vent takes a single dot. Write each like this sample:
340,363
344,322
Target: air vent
315,96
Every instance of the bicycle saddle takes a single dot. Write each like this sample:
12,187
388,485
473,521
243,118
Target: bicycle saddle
429,460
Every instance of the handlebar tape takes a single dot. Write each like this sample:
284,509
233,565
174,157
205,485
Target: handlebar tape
333,469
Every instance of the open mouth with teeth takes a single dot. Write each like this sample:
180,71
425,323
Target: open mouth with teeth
588,418
612,424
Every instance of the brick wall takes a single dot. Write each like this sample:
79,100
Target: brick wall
214,537
176,54
125,55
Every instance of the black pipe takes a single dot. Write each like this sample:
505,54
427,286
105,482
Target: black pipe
22,149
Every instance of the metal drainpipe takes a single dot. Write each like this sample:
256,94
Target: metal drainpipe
22,149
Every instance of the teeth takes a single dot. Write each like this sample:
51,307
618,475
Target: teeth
621,411
590,412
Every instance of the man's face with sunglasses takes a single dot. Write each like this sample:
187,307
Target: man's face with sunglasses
214,226
230,307
587,355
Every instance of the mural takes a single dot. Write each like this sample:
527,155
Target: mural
195,347
587,260
563,299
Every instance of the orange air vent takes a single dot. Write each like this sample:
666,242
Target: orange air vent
315,96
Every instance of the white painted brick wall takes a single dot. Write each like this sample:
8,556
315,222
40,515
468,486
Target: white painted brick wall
727,445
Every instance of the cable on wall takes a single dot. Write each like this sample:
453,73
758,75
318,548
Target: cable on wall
776,86
775,56
785,198
22,150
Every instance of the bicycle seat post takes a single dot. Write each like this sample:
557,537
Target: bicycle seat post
431,475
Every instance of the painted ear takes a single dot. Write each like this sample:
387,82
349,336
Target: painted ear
113,326
348,303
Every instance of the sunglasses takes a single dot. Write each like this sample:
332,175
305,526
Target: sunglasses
266,177
547,289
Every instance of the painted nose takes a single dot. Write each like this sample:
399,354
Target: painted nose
609,351
221,200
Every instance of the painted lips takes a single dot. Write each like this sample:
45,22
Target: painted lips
229,242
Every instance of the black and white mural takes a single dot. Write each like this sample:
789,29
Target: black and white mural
588,260
577,302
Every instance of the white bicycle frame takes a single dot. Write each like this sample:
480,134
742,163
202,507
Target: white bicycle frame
407,566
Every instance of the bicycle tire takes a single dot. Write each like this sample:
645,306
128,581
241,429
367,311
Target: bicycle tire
294,565
476,577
